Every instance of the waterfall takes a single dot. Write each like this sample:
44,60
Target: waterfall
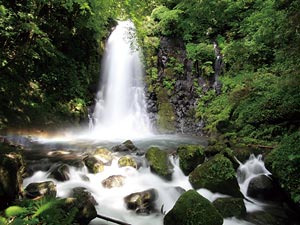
120,110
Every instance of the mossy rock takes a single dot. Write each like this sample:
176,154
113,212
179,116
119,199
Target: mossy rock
159,162
190,156
104,154
217,175
229,207
127,161
93,164
192,208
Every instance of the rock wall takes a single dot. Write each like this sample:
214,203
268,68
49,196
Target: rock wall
172,98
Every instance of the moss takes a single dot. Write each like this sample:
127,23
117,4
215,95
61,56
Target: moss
229,207
284,163
192,208
190,156
159,162
218,175
166,115
127,161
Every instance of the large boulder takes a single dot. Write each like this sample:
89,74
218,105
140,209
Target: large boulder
93,164
11,171
264,188
142,202
60,172
127,161
126,146
217,175
38,190
190,156
192,208
83,204
229,207
159,162
113,181
104,155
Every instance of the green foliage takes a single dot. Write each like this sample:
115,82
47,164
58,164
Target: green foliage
284,162
42,211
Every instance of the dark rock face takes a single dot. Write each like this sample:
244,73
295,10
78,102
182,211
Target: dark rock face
35,190
11,170
182,80
142,202
60,172
126,146
192,208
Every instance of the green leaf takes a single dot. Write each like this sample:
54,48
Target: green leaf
3,221
14,211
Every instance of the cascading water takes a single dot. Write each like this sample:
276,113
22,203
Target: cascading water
120,110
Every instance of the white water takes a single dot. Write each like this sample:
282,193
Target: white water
111,201
120,111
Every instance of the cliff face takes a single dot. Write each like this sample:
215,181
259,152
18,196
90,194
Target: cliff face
173,96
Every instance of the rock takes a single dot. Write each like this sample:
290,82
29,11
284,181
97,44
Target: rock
126,146
229,207
190,156
37,190
83,203
127,161
60,172
262,187
159,163
104,155
11,171
113,181
192,208
217,175
93,164
142,202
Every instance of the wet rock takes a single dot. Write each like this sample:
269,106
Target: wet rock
83,203
60,172
127,161
11,171
104,155
113,181
190,156
262,187
142,202
192,208
217,175
159,163
229,207
37,190
126,146
93,164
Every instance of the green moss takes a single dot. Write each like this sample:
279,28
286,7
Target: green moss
284,163
127,161
166,115
229,207
218,175
191,209
159,162
190,156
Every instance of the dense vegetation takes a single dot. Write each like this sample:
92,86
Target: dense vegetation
50,53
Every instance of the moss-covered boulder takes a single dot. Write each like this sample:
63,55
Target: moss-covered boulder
217,175
229,207
11,171
192,208
127,161
38,190
190,156
93,164
104,155
159,162
113,181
